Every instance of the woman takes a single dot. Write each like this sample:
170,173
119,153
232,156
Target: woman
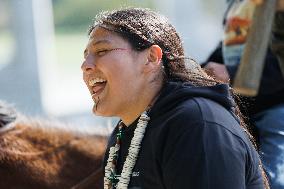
178,126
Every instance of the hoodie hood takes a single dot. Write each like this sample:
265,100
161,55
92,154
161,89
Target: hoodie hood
174,93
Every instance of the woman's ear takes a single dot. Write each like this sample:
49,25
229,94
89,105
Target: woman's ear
155,55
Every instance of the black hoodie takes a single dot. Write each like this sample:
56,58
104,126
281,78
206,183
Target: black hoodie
194,141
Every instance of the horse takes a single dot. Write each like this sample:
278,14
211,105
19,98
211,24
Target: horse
41,154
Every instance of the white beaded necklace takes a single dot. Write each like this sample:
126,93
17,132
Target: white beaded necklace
131,158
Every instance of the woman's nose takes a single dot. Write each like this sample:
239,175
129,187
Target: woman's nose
87,66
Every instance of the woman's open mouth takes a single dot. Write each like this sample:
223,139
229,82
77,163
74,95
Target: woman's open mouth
97,85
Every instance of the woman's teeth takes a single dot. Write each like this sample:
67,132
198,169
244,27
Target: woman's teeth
92,82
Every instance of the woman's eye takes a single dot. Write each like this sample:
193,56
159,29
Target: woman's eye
102,52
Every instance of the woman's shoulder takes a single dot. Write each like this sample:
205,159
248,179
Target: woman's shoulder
202,119
201,128
203,110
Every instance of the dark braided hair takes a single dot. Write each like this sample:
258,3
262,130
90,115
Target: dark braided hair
143,28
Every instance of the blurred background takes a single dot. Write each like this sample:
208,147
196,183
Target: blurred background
42,43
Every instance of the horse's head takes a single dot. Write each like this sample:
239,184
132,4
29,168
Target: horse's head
35,154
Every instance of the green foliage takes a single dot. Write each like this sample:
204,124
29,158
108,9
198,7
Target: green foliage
76,16
211,8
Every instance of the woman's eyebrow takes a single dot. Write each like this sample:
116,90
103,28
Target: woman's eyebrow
103,41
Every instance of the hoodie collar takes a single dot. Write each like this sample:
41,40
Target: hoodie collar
174,93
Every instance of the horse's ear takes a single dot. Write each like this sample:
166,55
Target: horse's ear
7,114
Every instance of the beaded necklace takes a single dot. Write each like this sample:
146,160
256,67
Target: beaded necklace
111,179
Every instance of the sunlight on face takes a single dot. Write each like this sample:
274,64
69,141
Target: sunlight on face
112,71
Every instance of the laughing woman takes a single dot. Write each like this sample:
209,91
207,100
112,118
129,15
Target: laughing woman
179,128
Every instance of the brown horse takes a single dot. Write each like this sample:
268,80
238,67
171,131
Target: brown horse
36,155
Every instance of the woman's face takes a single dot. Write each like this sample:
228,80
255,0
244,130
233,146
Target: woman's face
113,73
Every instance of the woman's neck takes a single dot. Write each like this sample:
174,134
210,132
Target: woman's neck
145,101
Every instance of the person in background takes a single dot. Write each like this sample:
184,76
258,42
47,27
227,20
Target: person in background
266,110
179,127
